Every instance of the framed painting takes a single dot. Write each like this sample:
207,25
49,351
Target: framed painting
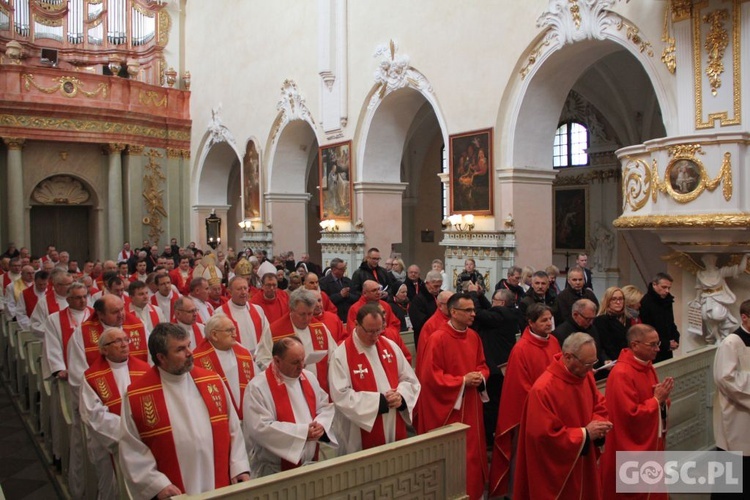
571,218
251,182
335,168
471,173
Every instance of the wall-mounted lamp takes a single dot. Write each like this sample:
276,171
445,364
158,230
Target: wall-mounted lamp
329,226
462,222
246,225
213,230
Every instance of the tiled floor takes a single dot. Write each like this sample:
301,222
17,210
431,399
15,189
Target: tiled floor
23,474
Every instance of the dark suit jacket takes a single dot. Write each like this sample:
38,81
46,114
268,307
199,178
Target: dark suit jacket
332,287
587,279
411,289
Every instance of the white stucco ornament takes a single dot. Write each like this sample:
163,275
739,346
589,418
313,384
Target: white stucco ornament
394,72
292,103
219,133
571,21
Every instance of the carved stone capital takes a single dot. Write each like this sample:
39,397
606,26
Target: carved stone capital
173,153
14,143
134,149
113,147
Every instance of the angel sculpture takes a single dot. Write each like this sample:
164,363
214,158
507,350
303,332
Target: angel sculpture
713,296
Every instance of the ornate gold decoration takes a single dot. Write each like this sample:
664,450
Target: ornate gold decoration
104,391
14,143
738,220
45,21
60,190
151,98
135,149
51,7
668,56
94,126
636,184
681,9
533,58
634,35
113,147
150,415
213,391
186,154
722,116
682,156
69,86
173,153
717,41
575,12
153,195
163,23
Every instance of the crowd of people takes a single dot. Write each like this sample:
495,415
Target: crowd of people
198,371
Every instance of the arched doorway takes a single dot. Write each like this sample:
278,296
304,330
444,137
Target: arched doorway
61,215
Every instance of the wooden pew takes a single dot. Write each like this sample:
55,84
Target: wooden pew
23,338
66,406
11,357
33,351
45,402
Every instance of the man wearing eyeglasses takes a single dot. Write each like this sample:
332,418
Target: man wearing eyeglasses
186,317
274,302
637,404
454,379
563,426
107,379
372,385
222,354
582,320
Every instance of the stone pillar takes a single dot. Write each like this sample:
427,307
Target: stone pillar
16,227
524,194
174,201
132,170
288,213
380,209
114,199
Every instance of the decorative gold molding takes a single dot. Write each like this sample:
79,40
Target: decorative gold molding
668,54
94,126
681,10
717,41
69,86
163,23
682,155
722,116
186,154
533,58
587,178
135,149
634,35
636,187
151,98
113,147
45,21
575,13
14,143
173,153
738,220
154,195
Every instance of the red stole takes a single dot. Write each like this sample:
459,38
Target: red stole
254,317
363,380
30,299
92,329
101,378
284,412
151,312
66,329
283,327
205,354
172,301
6,280
52,305
151,418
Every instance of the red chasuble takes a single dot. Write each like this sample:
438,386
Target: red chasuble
528,359
30,300
392,324
182,283
275,308
100,377
436,322
92,329
254,317
206,356
318,338
334,325
328,305
552,436
363,380
636,418
284,411
151,418
449,356
67,327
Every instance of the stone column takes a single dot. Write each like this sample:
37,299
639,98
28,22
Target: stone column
114,196
380,208
132,174
16,227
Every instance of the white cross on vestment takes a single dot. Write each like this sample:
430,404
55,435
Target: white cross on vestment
387,355
361,372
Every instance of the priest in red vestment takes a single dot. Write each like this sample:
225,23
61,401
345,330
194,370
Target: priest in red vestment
182,276
274,302
528,359
454,382
637,404
371,293
563,426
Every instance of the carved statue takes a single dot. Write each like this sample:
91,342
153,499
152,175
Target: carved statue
603,244
713,296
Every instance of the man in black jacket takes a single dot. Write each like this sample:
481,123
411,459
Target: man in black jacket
582,320
497,324
574,291
513,283
656,310
538,293
339,288
370,270
424,304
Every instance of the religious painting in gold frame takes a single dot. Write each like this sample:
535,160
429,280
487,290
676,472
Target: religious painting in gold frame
471,173
335,174
685,179
571,218
251,181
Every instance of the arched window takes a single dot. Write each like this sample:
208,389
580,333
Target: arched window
571,144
